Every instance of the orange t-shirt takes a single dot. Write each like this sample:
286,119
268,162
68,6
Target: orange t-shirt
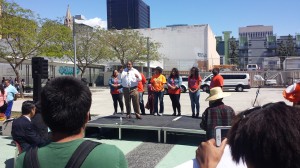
194,82
217,81
141,83
158,82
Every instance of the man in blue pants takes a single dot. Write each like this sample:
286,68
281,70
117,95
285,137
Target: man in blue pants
11,91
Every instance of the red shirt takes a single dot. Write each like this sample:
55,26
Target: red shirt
141,83
194,82
115,90
217,81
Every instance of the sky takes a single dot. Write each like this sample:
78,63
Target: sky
221,15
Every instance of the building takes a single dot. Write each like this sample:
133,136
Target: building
185,46
256,31
129,14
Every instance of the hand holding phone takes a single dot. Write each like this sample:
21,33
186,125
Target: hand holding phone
221,133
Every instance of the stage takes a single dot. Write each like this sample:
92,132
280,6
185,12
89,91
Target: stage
162,124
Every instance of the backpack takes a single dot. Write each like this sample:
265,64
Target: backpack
76,160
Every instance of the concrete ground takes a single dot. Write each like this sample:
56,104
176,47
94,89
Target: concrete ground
174,154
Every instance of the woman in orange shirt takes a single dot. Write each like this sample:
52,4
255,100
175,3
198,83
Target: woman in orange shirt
158,81
194,83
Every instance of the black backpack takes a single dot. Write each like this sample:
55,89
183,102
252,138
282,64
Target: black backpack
76,160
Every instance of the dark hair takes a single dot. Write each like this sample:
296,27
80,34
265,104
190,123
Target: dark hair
65,103
216,69
112,75
267,136
2,89
159,69
196,73
176,73
27,106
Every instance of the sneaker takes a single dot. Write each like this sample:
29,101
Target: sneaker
155,114
160,114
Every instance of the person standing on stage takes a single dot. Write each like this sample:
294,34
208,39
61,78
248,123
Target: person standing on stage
194,83
141,85
11,92
174,82
130,78
158,81
116,91
217,80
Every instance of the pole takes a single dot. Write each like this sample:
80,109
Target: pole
74,41
148,61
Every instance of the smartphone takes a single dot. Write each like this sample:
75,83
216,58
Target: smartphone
221,133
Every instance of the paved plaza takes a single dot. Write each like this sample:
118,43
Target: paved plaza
102,106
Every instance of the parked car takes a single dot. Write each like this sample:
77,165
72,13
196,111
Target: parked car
237,81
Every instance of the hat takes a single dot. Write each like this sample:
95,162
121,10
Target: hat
292,93
216,93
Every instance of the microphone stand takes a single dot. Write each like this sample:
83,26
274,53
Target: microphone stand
257,92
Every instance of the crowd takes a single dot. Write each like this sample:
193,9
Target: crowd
130,83
266,136
8,94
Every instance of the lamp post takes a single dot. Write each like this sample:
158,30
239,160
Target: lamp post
78,17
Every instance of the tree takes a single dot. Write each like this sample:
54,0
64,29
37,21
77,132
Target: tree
25,35
285,49
233,56
90,47
131,45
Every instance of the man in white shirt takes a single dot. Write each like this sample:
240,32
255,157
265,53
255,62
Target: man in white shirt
130,78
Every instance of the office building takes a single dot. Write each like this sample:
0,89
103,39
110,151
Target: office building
129,14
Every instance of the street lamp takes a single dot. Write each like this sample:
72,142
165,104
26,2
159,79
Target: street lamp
77,17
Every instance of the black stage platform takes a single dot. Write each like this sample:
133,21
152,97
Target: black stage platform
166,123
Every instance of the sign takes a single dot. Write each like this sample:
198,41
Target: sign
65,70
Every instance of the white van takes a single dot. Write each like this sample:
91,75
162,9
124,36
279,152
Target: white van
252,67
237,81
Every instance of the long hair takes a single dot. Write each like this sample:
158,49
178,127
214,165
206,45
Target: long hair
2,89
113,75
176,73
194,70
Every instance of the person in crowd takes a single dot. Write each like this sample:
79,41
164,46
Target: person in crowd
23,84
3,103
130,78
262,137
194,83
217,80
292,94
23,131
67,121
116,91
141,86
174,82
217,114
17,85
11,81
150,101
39,124
3,82
11,92
158,80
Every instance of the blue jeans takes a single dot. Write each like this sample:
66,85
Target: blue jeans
141,101
195,101
8,110
160,96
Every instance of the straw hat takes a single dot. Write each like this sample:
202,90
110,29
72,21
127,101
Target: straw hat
216,93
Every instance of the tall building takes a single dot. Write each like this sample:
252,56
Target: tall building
256,31
127,14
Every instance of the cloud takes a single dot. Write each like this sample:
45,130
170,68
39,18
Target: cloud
94,22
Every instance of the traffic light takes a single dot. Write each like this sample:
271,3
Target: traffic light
39,67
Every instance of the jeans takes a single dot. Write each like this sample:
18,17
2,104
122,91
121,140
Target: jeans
8,110
175,98
194,97
160,96
118,98
141,101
